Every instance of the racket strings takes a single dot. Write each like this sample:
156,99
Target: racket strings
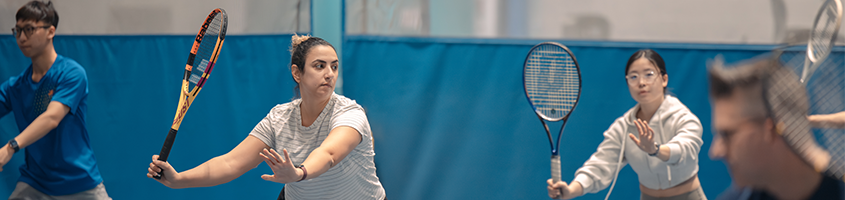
205,51
825,90
788,104
552,81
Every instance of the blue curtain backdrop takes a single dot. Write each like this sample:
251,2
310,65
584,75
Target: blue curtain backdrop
449,116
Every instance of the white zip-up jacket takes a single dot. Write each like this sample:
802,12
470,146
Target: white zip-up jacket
674,126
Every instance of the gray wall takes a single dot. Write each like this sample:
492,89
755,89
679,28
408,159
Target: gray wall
132,17
711,21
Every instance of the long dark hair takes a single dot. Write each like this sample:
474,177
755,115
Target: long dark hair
300,45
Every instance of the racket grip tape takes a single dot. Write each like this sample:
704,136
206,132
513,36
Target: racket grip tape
556,168
165,149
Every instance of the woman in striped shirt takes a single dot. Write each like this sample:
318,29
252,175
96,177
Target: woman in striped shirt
319,145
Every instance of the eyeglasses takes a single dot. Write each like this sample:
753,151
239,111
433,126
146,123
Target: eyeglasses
647,77
741,127
26,30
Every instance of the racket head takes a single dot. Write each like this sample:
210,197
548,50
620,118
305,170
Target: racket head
205,50
822,36
826,94
552,80
822,147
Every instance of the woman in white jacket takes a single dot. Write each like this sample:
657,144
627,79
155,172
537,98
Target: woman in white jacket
659,137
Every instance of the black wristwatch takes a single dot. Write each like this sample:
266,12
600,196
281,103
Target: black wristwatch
14,144
657,151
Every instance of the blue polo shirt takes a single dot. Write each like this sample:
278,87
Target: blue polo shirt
62,162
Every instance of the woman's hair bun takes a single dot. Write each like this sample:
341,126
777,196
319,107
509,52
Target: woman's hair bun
295,40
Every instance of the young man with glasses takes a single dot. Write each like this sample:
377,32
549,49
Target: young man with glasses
48,100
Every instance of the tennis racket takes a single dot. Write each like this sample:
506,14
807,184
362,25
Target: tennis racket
201,61
552,82
822,37
824,147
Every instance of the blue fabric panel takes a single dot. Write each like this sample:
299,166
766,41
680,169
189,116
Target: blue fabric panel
451,121
134,86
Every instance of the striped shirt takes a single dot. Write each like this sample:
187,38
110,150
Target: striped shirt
352,178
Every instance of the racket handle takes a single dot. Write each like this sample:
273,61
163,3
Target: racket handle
556,168
165,149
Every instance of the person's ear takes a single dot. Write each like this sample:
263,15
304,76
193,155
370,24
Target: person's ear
51,32
770,131
294,71
665,80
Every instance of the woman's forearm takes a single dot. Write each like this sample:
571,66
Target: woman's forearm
319,161
340,142
664,153
575,190
835,120
213,172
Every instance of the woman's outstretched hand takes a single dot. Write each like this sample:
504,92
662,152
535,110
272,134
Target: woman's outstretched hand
646,137
283,169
